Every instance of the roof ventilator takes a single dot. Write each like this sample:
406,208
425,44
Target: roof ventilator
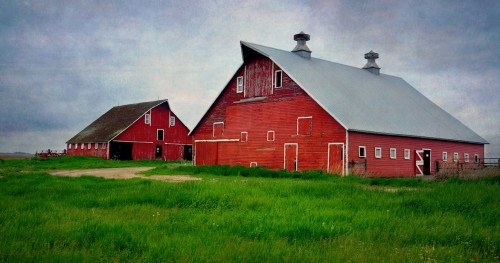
301,48
371,65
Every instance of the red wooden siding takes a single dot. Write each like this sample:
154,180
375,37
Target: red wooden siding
144,138
258,78
278,112
385,166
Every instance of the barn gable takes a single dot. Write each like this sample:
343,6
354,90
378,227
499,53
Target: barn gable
114,122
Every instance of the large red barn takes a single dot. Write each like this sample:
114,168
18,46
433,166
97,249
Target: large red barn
288,110
147,130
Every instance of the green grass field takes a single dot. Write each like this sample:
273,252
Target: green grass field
241,215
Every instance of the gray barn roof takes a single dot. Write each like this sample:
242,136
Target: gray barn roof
365,102
114,122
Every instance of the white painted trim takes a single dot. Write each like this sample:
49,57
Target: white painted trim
253,164
237,82
163,131
405,156
171,119
275,78
296,155
380,156
241,136
343,157
347,152
444,156
274,136
395,153
359,154
173,143
272,77
419,162
132,141
218,140
305,117
213,127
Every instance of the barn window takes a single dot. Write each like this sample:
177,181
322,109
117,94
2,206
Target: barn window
466,157
69,145
147,118
82,145
455,157
172,121
89,145
244,137
378,152
362,151
253,164
476,158
76,146
407,154
304,125
104,145
159,134
218,129
271,135
278,79
239,85
445,156
392,153
96,145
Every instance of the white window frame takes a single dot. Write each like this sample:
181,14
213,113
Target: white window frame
104,145
466,157
239,84
445,156
364,152
76,146
273,136
379,155
407,154
147,118
163,135
276,78
69,146
253,164
82,146
244,139
391,155
89,145
455,157
213,128
96,145
476,158
310,128
172,121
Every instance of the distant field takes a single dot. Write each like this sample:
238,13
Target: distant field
236,215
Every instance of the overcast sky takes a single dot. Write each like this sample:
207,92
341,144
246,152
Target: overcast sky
65,63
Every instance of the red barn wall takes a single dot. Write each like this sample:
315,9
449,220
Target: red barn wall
144,138
254,114
385,166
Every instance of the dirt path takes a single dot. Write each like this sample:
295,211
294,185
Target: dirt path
123,173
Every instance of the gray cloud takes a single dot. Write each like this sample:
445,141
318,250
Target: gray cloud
63,64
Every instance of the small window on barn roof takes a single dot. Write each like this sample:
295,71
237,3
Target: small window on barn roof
239,85
147,118
278,79
172,121
378,152
407,154
362,151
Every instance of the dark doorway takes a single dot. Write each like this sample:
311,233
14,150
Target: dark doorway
120,151
188,152
158,152
427,162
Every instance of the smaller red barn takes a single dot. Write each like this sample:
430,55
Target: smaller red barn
147,130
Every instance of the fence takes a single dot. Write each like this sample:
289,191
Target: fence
357,167
458,168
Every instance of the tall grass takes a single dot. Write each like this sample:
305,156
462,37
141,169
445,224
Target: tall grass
243,218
